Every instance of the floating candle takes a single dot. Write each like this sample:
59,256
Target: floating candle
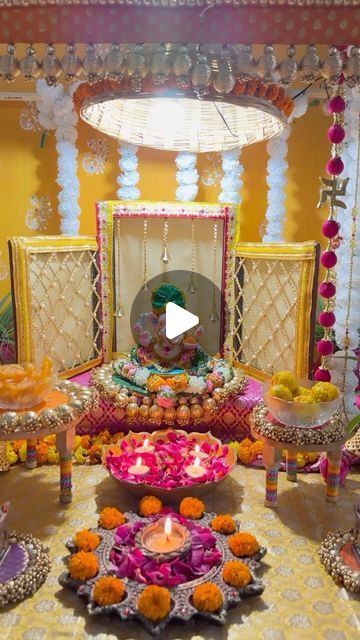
145,447
164,537
197,453
138,469
195,470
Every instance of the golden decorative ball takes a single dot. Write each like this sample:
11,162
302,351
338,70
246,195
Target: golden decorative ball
132,410
169,415
156,413
209,405
196,411
217,394
183,412
121,400
144,410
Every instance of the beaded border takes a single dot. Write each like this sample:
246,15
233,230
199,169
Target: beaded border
31,579
80,400
329,553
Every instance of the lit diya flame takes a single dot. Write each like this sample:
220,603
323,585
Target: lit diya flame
195,470
138,469
146,447
168,528
197,453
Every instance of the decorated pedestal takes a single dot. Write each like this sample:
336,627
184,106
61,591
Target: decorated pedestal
181,573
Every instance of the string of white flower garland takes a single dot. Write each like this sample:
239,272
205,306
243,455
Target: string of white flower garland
277,166
56,111
347,327
129,176
231,182
186,176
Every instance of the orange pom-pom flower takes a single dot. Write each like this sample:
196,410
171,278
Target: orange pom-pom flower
110,518
149,506
154,603
108,590
83,565
86,540
207,597
192,508
223,524
243,544
236,573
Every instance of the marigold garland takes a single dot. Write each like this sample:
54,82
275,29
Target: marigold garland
236,574
243,544
110,518
149,506
86,540
207,597
224,524
108,590
154,603
192,508
83,565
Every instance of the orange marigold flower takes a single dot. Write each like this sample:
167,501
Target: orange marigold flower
18,444
51,440
117,436
207,597
191,508
42,452
243,544
154,603
110,518
108,590
85,442
236,573
223,524
256,449
104,436
95,453
83,565
86,540
244,455
246,443
149,506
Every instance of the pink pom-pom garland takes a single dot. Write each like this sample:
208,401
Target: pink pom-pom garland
330,230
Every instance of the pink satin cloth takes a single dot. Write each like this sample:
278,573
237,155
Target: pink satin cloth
229,422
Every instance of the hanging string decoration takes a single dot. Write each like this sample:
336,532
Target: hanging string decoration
332,190
277,167
231,182
129,176
56,112
347,305
186,176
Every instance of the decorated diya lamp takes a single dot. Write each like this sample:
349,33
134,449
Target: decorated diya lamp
146,447
164,540
139,468
198,453
195,470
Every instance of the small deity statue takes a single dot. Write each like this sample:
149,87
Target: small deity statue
4,541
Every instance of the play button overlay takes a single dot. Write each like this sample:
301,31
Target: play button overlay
178,320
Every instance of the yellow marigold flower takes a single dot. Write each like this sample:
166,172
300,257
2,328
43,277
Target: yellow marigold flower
110,518
149,506
11,456
79,455
324,392
154,603
83,565
312,456
280,391
108,590
207,597
22,452
243,544
53,455
244,455
192,508
86,540
223,524
285,378
236,573
51,440
77,442
300,460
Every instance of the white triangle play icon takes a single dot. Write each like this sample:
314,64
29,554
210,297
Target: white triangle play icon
178,320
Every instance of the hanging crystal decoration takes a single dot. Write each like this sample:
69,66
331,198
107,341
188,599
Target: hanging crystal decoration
192,288
182,66
145,285
93,64
201,75
115,63
224,80
165,256
119,312
352,67
160,67
214,316
29,65
309,66
288,68
267,64
9,64
137,67
71,64
245,63
332,66
51,66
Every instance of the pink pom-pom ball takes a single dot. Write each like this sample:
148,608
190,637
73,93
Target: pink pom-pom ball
334,166
327,290
325,347
328,259
330,228
327,318
322,375
336,134
336,105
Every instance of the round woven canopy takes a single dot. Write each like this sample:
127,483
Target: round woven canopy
180,123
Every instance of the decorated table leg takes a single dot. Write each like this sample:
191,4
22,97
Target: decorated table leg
333,475
291,466
4,463
272,460
31,454
65,445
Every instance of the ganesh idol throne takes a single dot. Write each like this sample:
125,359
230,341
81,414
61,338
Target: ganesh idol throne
74,296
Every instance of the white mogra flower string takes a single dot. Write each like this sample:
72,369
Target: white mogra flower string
187,176
277,166
231,182
129,176
56,111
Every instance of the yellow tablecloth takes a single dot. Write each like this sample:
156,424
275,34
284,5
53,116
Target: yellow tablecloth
300,600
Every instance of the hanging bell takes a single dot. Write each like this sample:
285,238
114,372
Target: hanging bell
214,316
165,256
